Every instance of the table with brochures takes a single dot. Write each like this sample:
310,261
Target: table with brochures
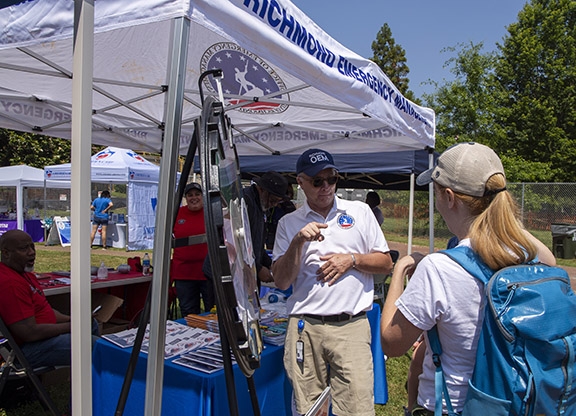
188,391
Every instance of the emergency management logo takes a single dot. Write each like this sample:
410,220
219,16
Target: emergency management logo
136,156
345,221
245,74
104,154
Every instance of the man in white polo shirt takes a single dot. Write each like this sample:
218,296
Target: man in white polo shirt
328,250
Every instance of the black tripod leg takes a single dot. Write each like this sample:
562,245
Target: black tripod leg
144,318
253,396
228,371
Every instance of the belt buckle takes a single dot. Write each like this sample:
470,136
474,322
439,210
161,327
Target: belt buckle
344,317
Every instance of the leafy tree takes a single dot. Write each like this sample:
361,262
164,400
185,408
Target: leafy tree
466,107
521,100
35,150
391,58
537,70
32,149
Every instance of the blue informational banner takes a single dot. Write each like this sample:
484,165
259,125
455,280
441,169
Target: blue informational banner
63,228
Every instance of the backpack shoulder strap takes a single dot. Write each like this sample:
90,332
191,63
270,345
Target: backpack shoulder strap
471,262
440,387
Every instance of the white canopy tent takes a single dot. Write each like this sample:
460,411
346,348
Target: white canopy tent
288,86
21,177
118,165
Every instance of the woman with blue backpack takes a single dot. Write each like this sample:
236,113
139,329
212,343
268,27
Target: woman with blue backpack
470,194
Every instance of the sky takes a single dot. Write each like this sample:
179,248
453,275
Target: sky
421,27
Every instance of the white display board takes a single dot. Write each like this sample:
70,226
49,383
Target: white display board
59,232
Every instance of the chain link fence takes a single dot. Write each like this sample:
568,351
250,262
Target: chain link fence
541,205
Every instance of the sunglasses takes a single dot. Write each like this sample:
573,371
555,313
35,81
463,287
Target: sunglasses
318,181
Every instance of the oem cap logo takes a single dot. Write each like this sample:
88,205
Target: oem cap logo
318,157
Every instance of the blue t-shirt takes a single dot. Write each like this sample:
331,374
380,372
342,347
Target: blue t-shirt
100,204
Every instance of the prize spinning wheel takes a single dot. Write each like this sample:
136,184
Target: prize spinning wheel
228,237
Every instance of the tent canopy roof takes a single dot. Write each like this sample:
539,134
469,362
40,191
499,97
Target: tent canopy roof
27,176
288,87
114,165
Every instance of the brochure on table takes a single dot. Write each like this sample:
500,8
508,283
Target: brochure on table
179,339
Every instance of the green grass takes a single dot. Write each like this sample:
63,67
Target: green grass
396,373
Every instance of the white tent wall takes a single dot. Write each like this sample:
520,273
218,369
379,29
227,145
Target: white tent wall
21,177
143,199
114,165
320,94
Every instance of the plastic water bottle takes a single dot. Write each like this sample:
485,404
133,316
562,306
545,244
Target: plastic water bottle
146,265
102,272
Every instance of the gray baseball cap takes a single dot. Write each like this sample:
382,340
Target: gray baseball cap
464,168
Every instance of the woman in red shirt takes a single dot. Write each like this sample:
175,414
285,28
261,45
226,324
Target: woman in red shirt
186,270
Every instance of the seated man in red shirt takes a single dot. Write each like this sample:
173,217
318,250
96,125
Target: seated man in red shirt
42,332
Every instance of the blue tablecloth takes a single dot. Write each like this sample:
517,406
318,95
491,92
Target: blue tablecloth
190,392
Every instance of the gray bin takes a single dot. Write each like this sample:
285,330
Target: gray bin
564,240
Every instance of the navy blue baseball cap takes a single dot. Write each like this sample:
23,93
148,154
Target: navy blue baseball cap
192,185
313,161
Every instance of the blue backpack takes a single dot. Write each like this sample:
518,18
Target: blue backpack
525,363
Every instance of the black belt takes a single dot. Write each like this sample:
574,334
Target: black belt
334,318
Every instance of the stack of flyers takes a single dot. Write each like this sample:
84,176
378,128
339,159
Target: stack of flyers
179,339
206,359
275,334
208,322
267,317
123,339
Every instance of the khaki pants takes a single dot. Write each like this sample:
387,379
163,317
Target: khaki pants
336,354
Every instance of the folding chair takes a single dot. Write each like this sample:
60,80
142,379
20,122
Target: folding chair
16,366
380,285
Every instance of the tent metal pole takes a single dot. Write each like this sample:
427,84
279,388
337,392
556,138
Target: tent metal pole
80,288
44,214
431,203
411,213
176,74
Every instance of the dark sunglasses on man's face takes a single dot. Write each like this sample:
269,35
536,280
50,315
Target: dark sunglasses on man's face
318,181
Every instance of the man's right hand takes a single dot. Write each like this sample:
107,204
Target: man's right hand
312,232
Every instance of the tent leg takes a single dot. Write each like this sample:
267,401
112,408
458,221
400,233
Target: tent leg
176,75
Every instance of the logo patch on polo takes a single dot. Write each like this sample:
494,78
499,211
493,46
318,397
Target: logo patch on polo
345,221
181,221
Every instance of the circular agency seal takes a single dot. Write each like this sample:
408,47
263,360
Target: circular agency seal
244,74
345,221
